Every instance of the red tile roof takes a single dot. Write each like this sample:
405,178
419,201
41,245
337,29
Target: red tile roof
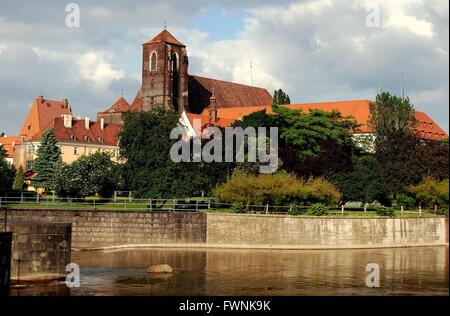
137,102
120,106
358,109
94,135
228,94
165,37
41,113
9,143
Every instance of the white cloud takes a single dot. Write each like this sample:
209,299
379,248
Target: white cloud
96,68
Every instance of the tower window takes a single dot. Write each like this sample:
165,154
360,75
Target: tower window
153,61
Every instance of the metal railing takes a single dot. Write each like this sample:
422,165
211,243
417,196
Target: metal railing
180,205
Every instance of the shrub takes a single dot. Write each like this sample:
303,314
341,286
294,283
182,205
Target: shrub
385,211
317,209
406,200
275,189
431,192
294,210
238,208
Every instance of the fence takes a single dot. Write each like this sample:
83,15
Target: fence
180,205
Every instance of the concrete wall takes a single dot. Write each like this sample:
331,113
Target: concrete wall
5,262
40,250
93,229
97,229
269,231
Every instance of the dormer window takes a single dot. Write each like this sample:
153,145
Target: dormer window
431,125
101,140
73,137
87,138
153,61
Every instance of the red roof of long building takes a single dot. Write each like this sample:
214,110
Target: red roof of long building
78,133
358,109
121,105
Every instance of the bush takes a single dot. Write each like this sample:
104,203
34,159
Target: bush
294,210
318,210
431,192
238,208
275,189
406,200
385,211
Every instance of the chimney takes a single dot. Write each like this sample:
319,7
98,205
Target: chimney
67,120
87,122
102,123
212,109
66,103
41,98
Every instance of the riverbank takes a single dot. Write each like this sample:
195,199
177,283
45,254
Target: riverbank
128,229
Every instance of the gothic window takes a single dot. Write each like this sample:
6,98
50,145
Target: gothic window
153,61
175,62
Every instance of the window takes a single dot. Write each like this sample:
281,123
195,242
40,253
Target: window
88,139
153,61
75,151
73,137
61,149
431,125
100,140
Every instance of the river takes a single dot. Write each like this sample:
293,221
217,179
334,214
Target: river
403,271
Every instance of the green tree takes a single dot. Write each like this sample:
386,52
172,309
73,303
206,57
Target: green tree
47,157
89,175
19,180
365,183
305,131
281,98
391,114
6,171
148,169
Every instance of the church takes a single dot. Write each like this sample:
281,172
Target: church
166,81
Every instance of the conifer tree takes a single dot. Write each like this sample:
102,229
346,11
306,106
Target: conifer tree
48,156
19,180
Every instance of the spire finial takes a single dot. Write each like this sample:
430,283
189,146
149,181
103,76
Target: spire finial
165,25
122,93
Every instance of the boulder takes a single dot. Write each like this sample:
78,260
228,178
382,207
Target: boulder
160,268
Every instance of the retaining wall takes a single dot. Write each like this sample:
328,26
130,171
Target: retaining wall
99,229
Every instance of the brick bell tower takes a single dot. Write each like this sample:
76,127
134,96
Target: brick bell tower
164,73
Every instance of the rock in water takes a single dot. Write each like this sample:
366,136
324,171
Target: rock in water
160,268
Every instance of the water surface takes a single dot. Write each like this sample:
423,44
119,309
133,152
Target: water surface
404,271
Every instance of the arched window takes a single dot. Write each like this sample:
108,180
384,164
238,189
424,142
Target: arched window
153,61
175,62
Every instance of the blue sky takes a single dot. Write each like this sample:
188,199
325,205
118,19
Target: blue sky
316,50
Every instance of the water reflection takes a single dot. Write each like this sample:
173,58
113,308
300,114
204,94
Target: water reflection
404,271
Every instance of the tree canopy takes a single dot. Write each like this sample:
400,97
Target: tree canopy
280,97
391,114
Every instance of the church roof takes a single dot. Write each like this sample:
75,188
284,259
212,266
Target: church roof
121,105
228,94
165,37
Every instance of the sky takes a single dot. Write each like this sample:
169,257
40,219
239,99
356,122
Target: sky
316,50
